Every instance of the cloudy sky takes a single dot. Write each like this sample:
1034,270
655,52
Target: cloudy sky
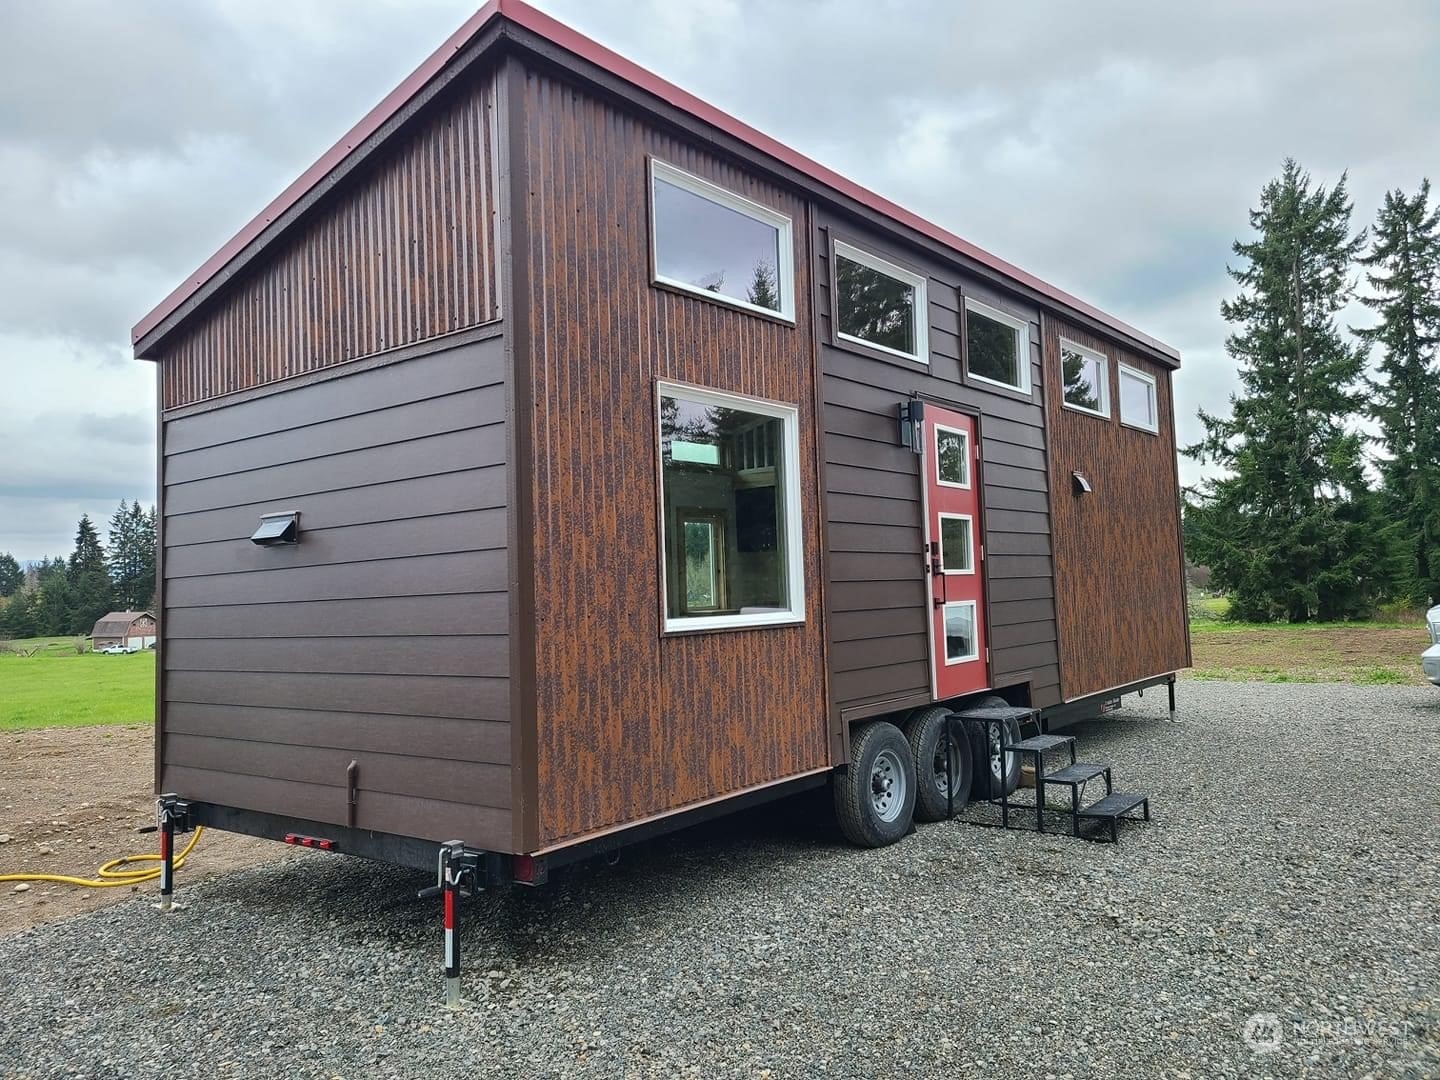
1112,148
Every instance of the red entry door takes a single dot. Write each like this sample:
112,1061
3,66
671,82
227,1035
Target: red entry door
958,656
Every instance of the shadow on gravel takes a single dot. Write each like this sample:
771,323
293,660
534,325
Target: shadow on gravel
649,882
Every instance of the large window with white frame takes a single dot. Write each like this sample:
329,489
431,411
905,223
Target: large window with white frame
997,346
1139,406
730,510
1085,379
880,304
714,243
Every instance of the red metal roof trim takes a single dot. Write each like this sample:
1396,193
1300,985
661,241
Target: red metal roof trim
537,22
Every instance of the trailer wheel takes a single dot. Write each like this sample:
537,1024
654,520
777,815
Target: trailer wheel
875,796
927,731
994,771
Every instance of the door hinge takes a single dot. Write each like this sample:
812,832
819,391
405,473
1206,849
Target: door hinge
987,654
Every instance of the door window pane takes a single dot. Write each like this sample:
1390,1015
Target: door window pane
1083,372
708,240
726,502
960,643
879,303
998,350
954,544
952,457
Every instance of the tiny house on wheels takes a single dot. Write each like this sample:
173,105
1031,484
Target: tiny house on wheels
559,460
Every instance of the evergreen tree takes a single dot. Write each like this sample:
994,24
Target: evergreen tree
132,555
91,594
52,604
763,291
17,616
11,576
1404,272
1290,529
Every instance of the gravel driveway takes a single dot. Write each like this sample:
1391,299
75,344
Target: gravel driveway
1291,870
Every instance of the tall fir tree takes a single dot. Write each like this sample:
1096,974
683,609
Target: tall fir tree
11,576
17,615
91,594
1290,529
52,608
131,555
1404,273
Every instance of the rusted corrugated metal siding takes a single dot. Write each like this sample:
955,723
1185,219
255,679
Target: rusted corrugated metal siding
878,589
382,637
632,723
1119,578
402,253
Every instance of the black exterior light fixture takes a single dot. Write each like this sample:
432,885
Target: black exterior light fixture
277,529
1078,484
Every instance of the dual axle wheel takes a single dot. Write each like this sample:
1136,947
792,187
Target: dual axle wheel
896,777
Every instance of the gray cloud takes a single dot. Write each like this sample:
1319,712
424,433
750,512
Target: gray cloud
1113,148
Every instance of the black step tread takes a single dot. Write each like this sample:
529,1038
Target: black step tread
997,712
1041,743
1075,774
1113,805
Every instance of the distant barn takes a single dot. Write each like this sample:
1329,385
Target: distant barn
136,628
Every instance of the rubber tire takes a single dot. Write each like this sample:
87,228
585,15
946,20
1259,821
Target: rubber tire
853,809
923,731
980,753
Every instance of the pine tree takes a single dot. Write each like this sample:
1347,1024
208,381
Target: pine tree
1404,272
763,291
52,608
131,543
91,594
17,616
11,576
1290,529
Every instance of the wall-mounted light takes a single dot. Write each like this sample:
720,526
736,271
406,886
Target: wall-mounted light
277,529
1078,484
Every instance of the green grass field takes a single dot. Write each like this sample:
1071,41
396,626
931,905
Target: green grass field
57,687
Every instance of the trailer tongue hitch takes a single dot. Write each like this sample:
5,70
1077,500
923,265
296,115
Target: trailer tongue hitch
457,867
173,814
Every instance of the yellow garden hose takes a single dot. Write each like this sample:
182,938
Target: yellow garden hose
111,876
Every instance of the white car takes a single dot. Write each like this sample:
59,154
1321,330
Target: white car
1430,658
116,649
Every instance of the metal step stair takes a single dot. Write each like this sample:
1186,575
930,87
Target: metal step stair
1075,775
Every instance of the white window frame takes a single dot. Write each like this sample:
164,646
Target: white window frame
905,277
784,273
1104,362
974,637
789,416
1145,377
1022,345
970,552
965,438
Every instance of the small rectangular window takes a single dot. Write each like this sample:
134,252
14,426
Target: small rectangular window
1083,373
1138,405
952,457
961,643
880,304
720,245
997,346
956,544
731,510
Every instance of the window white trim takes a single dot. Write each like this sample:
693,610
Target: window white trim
794,545
1144,376
1022,345
974,653
1104,362
784,273
905,277
970,546
965,438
